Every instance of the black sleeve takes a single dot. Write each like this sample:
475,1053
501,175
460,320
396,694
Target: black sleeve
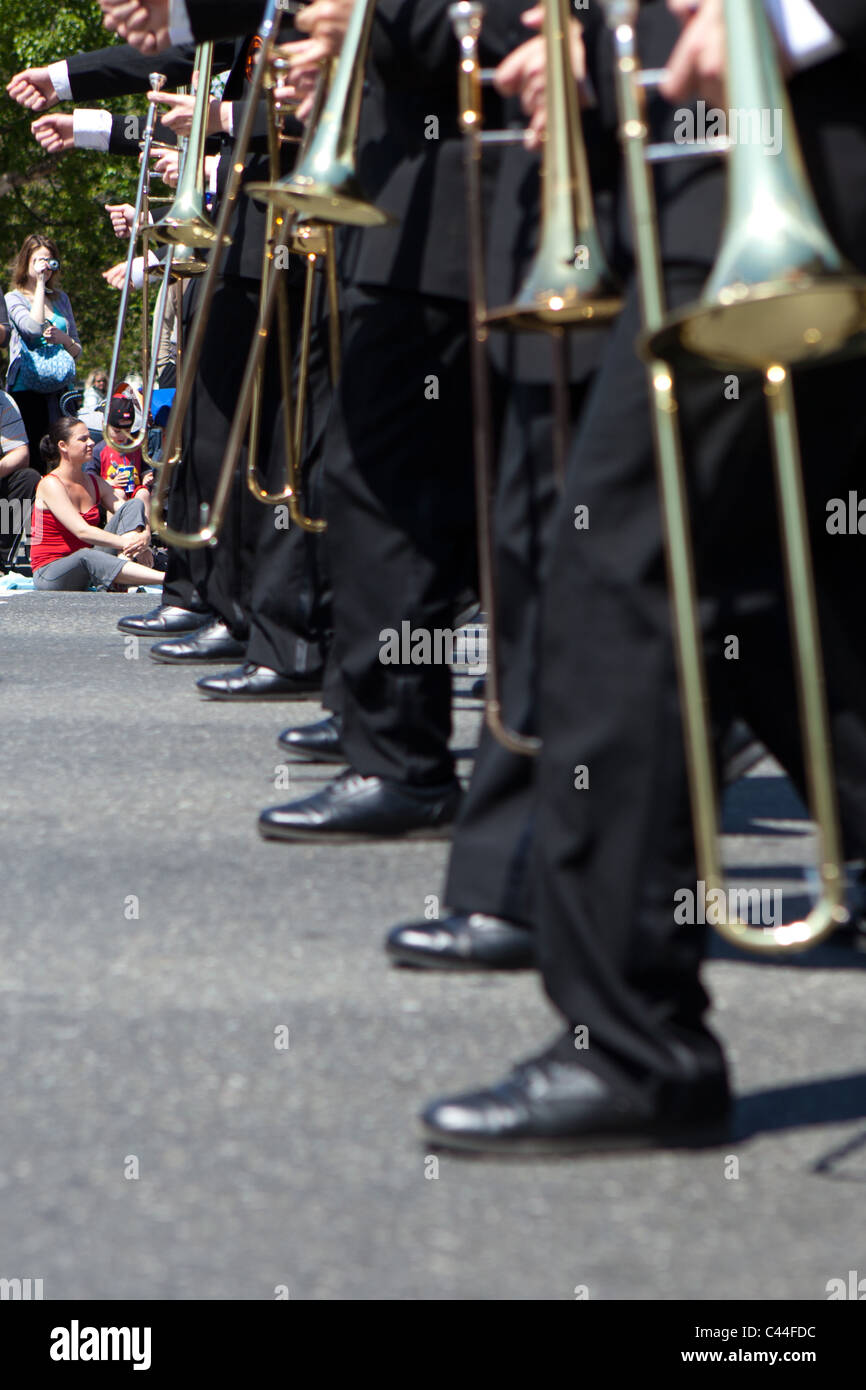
223,19
260,129
847,18
120,70
124,140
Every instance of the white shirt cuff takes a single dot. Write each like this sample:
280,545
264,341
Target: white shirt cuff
91,130
804,35
179,27
138,268
59,74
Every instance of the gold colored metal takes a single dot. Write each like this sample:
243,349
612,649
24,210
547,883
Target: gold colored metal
324,184
779,294
569,285
273,297
780,290
186,223
569,281
466,19
140,220
186,263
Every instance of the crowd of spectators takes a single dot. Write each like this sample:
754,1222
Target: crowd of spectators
55,491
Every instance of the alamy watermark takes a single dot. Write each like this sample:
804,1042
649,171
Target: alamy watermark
21,1290
749,125
846,516
755,906
438,646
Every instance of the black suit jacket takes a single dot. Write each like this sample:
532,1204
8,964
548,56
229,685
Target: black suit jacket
410,149
120,70
217,19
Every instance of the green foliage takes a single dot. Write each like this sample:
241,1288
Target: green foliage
63,196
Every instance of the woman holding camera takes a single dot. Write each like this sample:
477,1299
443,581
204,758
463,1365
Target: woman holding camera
44,343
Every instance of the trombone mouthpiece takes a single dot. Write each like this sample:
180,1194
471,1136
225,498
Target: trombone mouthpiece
157,81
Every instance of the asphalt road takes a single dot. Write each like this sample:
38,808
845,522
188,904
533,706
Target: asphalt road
159,1142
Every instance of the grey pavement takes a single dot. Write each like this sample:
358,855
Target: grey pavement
158,1143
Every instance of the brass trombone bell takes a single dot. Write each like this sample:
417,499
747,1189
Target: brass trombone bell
324,185
569,281
543,305
187,263
741,321
780,291
186,223
334,196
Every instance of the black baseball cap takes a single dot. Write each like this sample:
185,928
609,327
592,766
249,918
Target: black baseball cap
121,412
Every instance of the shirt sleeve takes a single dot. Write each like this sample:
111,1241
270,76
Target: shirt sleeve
138,268
179,27
91,130
12,431
22,319
59,74
804,35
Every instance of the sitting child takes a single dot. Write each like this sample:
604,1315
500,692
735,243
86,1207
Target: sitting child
123,471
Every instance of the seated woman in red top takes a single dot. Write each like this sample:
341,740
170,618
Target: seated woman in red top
70,550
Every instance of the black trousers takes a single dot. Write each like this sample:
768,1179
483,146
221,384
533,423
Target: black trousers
400,508
290,615
610,856
490,855
38,411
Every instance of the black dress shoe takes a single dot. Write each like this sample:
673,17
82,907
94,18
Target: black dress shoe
213,642
354,808
462,941
551,1107
251,682
315,743
165,621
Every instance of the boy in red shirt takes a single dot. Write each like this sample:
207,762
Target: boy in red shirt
123,472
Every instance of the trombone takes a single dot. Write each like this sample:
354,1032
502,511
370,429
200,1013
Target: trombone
780,295
324,185
139,225
341,106
213,513
181,263
568,285
186,223
313,243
